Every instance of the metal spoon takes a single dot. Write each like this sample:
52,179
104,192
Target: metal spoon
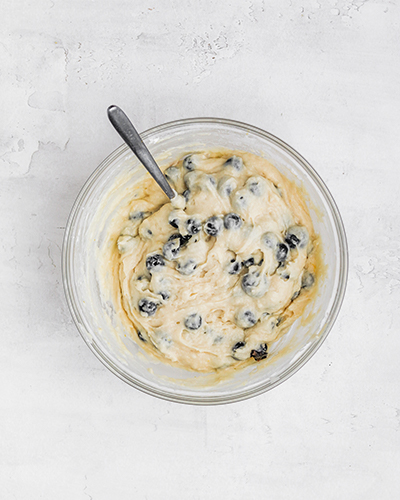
129,134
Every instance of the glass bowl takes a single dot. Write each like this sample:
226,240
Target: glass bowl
92,309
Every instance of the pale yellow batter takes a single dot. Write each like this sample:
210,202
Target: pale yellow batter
212,278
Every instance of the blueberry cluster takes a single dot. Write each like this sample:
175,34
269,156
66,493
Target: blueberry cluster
252,279
280,249
257,354
213,226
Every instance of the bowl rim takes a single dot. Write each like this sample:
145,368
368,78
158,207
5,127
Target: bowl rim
198,398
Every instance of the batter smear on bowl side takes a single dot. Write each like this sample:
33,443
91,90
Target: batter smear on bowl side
213,277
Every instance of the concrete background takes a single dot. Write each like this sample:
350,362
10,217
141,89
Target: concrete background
322,75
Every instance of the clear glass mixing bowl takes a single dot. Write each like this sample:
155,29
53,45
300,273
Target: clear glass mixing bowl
94,316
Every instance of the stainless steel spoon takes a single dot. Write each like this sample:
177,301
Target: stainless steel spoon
129,134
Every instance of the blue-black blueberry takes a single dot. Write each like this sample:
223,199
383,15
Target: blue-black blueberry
193,321
260,353
155,262
282,251
297,236
188,163
234,267
232,221
213,226
147,307
235,162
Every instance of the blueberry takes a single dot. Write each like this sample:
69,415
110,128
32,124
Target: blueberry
249,262
238,345
285,276
250,318
147,307
234,267
171,249
188,267
155,262
193,226
173,221
250,281
186,195
226,185
140,335
183,239
307,280
282,252
255,285
297,236
232,221
255,187
292,240
213,226
172,174
235,162
188,163
193,321
260,353
164,294
246,318
270,240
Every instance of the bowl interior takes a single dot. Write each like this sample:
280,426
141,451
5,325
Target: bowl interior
90,302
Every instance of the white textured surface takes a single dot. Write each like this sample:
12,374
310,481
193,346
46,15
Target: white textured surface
324,76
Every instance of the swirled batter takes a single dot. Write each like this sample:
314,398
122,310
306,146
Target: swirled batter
213,277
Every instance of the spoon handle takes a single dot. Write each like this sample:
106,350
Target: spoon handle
129,134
